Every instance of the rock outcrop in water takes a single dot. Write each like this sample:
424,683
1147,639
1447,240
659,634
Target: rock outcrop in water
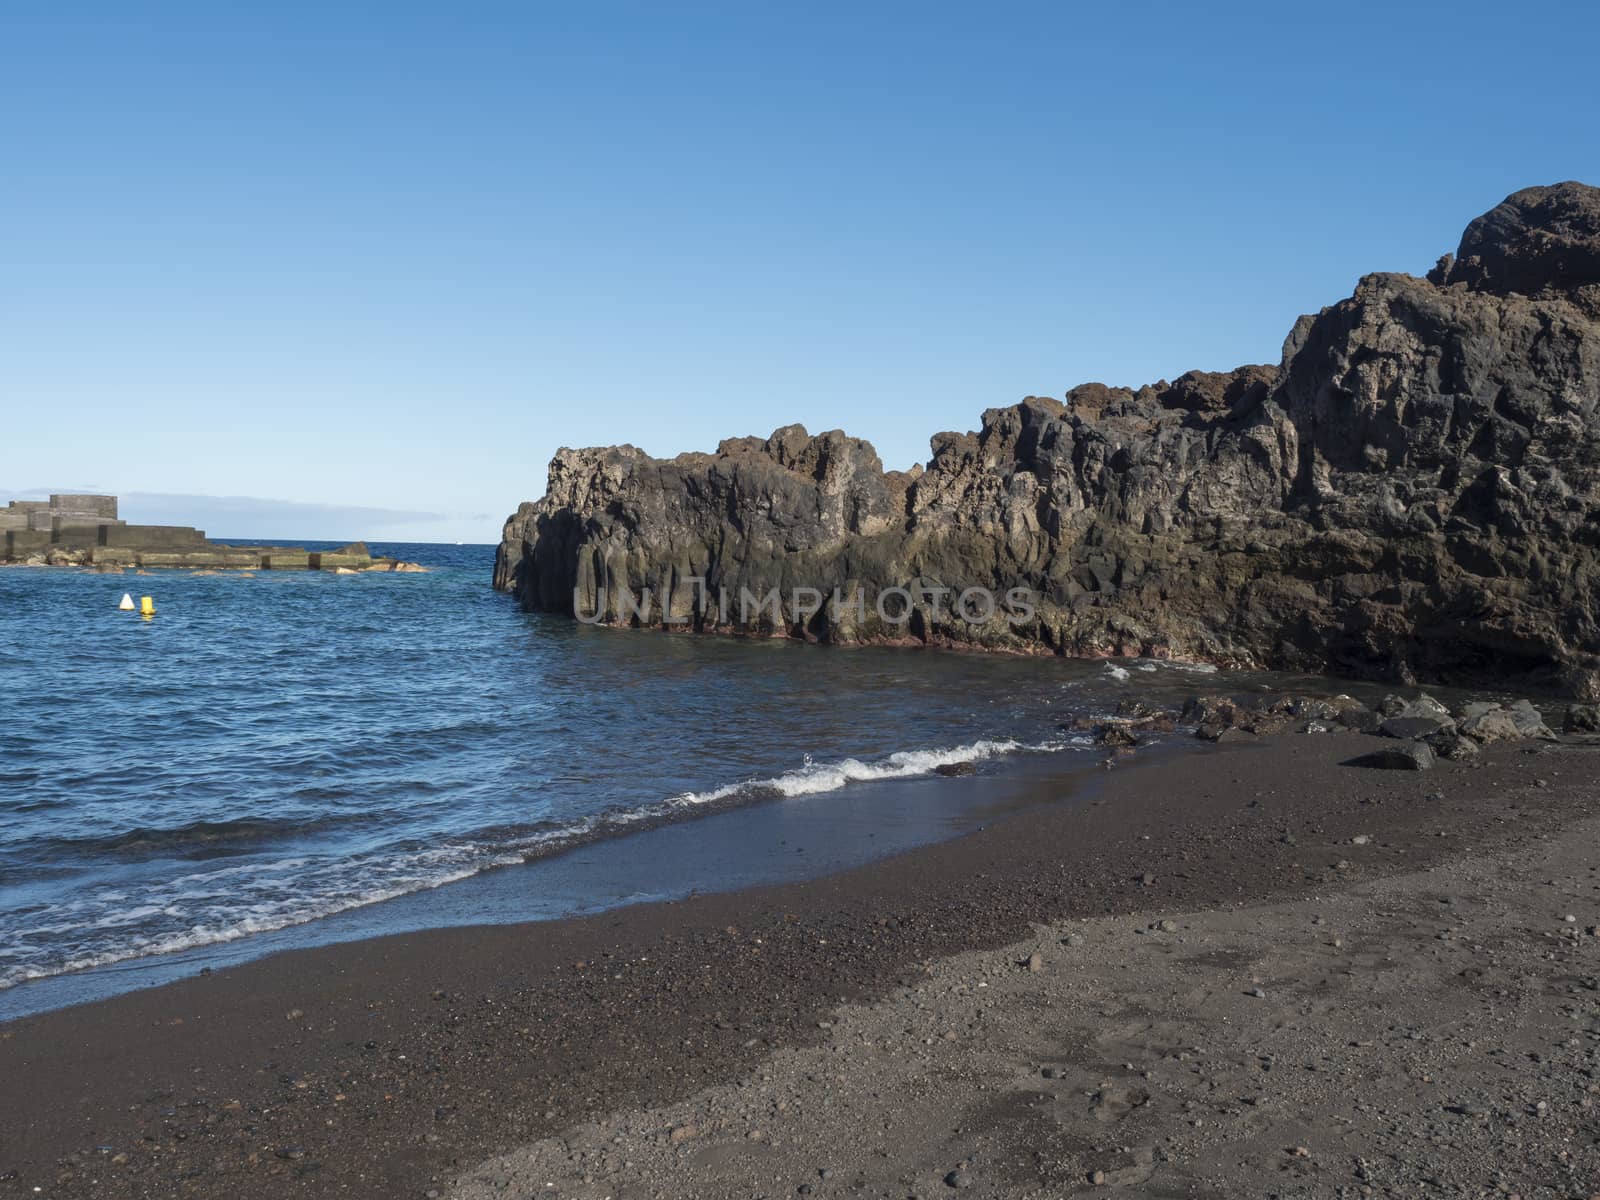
1412,493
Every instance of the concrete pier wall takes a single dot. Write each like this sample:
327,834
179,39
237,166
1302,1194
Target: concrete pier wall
153,537
22,543
96,508
84,530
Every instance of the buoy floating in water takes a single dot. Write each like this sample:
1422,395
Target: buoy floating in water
127,603
147,606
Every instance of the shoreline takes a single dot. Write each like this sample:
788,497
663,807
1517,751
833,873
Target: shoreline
597,870
383,1067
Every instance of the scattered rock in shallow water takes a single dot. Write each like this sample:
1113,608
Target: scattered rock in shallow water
1215,715
1312,708
1209,710
1116,734
958,1179
952,770
1234,736
1410,756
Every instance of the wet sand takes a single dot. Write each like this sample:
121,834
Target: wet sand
397,1066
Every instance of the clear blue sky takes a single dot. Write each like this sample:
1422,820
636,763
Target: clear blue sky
392,255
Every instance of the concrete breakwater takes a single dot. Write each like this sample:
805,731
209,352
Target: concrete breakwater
85,531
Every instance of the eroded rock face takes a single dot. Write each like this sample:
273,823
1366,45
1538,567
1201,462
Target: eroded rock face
1410,494
1544,239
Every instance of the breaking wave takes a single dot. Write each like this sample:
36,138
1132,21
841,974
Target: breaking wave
207,904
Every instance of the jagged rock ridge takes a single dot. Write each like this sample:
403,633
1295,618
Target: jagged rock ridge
1411,494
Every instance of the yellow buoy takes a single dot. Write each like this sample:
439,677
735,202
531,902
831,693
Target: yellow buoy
127,603
147,606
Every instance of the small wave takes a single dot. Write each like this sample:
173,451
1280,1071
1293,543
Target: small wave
230,903
814,778
1116,672
266,921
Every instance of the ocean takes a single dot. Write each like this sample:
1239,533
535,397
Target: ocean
302,757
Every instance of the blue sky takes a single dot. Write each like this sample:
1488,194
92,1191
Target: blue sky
391,256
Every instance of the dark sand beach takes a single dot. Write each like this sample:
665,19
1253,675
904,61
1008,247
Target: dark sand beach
403,1066
767,602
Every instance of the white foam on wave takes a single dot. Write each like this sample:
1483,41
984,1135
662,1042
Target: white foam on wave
264,918
1151,665
212,907
815,778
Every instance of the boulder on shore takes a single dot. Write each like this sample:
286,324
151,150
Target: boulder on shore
1405,756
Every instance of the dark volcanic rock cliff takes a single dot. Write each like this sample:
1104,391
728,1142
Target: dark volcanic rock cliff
1413,492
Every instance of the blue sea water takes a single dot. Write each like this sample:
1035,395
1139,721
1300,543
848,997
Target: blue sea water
275,751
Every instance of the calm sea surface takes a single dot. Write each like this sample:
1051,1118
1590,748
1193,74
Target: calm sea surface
281,752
